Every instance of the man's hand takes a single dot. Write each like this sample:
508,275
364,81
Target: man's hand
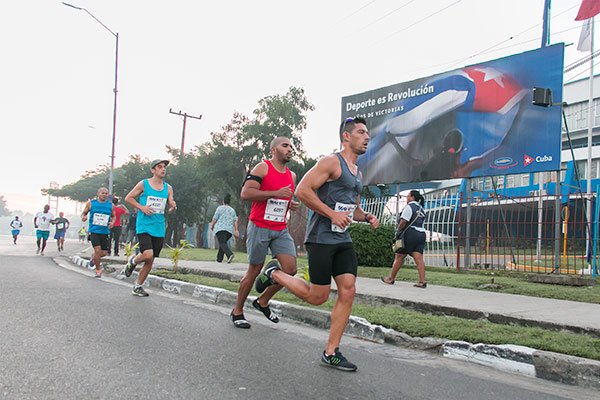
294,205
373,220
284,192
147,210
341,219
172,207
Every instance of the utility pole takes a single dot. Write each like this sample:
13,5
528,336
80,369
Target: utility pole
185,117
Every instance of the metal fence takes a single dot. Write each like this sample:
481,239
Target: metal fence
524,233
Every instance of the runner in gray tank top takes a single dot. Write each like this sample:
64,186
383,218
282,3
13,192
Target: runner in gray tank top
332,190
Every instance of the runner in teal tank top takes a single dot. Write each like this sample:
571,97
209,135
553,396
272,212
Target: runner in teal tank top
101,219
155,197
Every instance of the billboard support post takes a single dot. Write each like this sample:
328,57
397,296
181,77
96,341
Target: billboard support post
557,223
468,225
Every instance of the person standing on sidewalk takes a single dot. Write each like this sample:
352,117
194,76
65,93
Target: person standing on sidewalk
154,196
225,223
410,228
42,226
62,224
270,186
115,231
332,190
16,226
102,214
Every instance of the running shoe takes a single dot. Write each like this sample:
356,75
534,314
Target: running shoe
138,290
230,259
266,311
338,361
264,280
130,266
98,275
239,321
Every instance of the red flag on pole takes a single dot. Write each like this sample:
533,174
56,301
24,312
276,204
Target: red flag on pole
588,9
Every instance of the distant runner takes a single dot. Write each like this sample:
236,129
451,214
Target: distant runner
16,226
41,221
62,224
101,217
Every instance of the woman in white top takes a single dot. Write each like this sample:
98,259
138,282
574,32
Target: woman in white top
410,227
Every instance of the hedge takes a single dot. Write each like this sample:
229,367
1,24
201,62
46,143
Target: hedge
373,246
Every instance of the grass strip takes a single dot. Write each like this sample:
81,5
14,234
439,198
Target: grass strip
419,324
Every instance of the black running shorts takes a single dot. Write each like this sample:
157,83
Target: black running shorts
101,240
327,260
147,242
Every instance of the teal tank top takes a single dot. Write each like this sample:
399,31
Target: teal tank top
100,217
153,225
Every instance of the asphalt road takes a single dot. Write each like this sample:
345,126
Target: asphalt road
67,335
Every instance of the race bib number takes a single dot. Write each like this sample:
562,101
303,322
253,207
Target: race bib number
157,204
348,209
60,225
275,210
100,219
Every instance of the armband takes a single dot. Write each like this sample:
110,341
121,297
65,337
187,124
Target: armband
251,177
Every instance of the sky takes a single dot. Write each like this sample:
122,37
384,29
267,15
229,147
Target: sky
215,58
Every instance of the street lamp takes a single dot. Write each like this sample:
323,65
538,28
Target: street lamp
114,132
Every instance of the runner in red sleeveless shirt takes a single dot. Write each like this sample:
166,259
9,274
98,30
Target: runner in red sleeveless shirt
270,187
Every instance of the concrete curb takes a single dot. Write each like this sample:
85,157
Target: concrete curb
510,358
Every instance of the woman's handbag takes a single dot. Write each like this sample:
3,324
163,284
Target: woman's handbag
399,239
398,244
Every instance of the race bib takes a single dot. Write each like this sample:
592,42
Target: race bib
100,219
347,208
157,204
60,225
276,209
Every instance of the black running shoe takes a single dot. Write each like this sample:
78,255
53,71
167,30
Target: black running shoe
138,290
239,321
338,361
130,266
264,280
266,311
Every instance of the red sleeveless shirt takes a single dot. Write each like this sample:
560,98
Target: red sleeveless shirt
271,213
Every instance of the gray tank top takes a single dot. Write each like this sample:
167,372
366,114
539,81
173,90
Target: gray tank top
339,195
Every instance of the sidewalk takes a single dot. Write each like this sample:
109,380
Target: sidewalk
466,303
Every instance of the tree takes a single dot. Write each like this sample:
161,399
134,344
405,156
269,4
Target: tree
4,211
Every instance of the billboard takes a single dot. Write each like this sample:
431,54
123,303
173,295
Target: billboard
474,121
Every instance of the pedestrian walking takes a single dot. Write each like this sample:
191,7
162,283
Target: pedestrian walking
410,230
225,224
115,231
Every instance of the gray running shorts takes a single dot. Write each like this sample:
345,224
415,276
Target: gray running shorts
259,240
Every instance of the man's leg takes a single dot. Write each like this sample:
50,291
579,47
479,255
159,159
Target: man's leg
220,239
245,287
116,237
288,265
311,293
44,242
38,242
146,257
341,310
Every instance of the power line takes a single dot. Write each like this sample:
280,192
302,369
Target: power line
386,15
354,12
421,20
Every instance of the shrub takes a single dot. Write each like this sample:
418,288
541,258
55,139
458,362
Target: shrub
373,246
